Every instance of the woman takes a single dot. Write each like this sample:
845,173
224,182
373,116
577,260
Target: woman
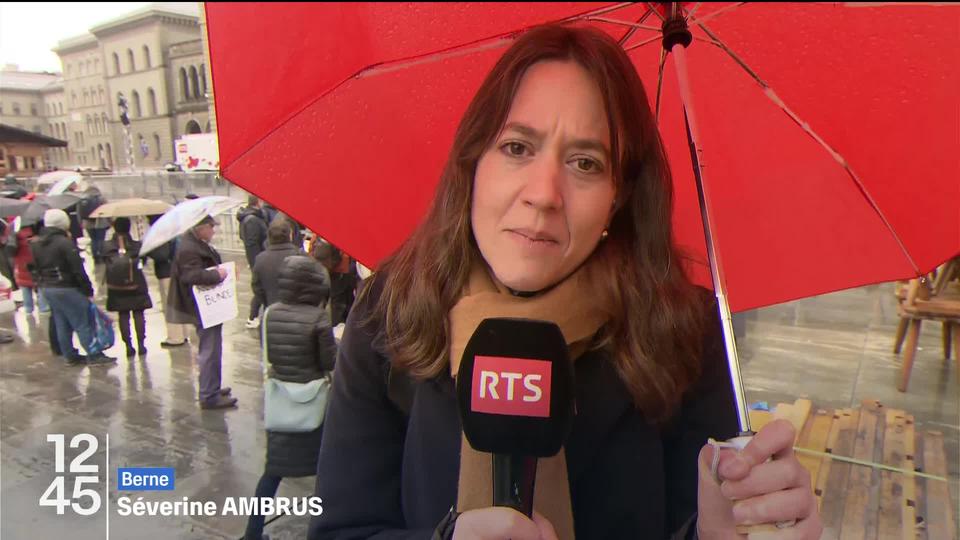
300,349
556,200
21,271
126,285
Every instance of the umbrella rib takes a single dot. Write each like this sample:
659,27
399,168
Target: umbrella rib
629,34
716,13
805,126
693,10
635,26
663,60
653,9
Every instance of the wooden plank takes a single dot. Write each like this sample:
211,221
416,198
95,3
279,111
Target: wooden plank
920,466
834,489
891,484
909,523
758,419
815,437
939,511
820,482
860,513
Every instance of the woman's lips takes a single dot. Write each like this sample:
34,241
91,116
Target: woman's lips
533,239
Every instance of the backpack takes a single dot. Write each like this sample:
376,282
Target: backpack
120,270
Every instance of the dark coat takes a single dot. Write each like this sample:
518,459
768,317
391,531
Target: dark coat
266,272
122,300
23,260
253,232
191,266
163,260
58,263
300,348
382,474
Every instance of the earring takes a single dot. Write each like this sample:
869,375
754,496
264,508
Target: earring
604,234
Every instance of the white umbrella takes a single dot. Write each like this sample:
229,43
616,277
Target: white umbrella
63,184
52,177
182,217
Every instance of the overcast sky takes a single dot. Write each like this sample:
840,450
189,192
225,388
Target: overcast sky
29,30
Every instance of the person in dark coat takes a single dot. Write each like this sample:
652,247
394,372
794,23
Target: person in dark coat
266,269
24,278
344,279
59,272
299,348
253,232
162,258
129,294
194,264
555,205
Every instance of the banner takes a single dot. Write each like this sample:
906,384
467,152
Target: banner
217,304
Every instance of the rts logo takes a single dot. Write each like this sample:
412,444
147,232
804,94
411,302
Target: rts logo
511,386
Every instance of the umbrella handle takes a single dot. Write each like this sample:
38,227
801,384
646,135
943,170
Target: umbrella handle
738,444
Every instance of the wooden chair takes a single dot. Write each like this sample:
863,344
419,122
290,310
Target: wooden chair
935,301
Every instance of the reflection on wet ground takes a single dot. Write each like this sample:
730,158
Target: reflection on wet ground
834,349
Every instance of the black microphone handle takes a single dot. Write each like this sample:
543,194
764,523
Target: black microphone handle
513,481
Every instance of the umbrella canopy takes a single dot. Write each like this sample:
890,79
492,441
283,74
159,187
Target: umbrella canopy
41,203
131,208
828,130
182,217
12,207
52,177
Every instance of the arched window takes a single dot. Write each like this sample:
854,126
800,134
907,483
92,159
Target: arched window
194,83
89,125
137,111
105,122
86,97
193,127
152,99
109,156
100,93
156,144
116,64
184,85
133,63
203,80
146,57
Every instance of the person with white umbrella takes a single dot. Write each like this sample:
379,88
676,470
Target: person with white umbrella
194,265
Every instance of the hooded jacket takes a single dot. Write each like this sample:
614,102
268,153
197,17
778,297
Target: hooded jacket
253,231
57,263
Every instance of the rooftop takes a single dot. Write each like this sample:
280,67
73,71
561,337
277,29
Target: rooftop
10,134
176,9
13,79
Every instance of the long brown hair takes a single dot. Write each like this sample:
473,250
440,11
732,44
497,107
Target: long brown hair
654,337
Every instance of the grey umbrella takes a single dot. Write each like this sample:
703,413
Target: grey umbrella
34,213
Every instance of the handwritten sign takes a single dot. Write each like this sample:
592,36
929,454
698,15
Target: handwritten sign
217,304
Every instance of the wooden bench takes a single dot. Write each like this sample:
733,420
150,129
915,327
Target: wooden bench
859,501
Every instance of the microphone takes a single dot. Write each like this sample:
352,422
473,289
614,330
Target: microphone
515,395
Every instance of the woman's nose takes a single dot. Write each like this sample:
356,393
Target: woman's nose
543,187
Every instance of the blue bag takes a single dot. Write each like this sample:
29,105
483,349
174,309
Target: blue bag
102,324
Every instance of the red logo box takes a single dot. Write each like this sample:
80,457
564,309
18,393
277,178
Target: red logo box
511,386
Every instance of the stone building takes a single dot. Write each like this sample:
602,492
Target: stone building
153,56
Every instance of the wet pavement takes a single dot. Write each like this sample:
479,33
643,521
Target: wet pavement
834,349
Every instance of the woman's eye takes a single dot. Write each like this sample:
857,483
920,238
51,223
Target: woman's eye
515,148
587,165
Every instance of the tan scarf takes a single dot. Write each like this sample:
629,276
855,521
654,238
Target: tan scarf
578,314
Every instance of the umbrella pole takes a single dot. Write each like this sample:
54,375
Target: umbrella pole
693,138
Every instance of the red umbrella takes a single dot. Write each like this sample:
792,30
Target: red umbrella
829,132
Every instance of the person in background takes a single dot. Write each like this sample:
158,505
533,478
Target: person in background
21,272
126,285
193,265
266,269
253,232
162,258
344,279
299,348
67,288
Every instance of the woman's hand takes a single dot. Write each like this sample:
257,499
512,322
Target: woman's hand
502,523
757,491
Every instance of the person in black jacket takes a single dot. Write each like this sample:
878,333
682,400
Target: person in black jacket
197,263
253,232
126,292
59,272
555,205
266,269
299,348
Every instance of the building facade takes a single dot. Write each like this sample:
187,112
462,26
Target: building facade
153,57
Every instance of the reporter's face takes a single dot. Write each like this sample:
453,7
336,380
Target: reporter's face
543,192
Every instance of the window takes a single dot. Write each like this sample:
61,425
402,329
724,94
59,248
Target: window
146,57
193,127
100,93
86,97
156,144
33,109
16,109
184,85
133,63
152,99
137,111
89,125
203,81
194,83
105,122
116,64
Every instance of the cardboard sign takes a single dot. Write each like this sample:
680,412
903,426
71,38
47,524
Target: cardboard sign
217,304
